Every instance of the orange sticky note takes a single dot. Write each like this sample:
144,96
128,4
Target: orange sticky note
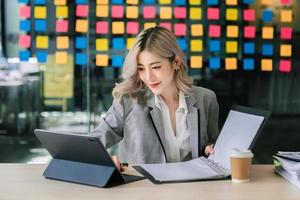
40,12
101,60
130,42
286,16
132,12
42,42
61,57
195,13
163,2
231,46
195,2
232,31
266,64
101,44
81,25
286,50
197,30
231,2
267,32
102,11
62,42
60,2
102,2
196,45
196,61
266,2
118,27
165,12
232,14
149,25
61,11
134,2
231,64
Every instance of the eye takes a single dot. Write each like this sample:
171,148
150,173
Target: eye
157,67
140,69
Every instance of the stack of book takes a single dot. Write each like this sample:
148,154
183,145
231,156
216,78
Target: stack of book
287,165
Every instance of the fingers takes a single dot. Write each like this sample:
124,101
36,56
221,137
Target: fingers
209,150
118,163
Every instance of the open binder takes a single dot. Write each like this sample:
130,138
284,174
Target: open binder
240,130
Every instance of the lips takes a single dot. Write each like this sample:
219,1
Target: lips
154,85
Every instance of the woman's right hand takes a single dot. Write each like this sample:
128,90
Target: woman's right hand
118,163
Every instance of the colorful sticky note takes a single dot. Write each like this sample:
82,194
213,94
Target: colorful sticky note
249,14
132,27
118,43
266,64
149,12
248,1
101,60
101,44
180,12
24,55
285,50
24,11
230,63
214,45
132,12
231,2
130,42
81,42
266,2
196,45
249,31
40,12
117,61
286,16
249,48
195,2
267,49
285,65
231,47
231,14
163,2
62,42
41,56
149,25
82,10
165,12
62,26
267,15
118,27
24,41
40,25
268,32
232,31
135,2
102,2
248,64
42,42
180,29
180,2
61,11
214,63
286,33
196,61
166,25
213,13
149,1
286,2
182,44
197,30
61,57
195,13
60,2
81,25
102,10
102,27
81,1
81,59
117,11
24,25
23,1
214,30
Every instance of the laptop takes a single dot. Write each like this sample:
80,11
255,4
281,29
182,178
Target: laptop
80,158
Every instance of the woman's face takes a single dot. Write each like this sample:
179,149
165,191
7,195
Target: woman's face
157,73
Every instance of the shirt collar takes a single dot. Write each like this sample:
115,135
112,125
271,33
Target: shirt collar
159,102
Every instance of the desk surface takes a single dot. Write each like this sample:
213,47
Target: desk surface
25,181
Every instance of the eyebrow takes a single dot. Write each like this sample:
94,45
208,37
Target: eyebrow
156,62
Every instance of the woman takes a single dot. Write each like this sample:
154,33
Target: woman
157,115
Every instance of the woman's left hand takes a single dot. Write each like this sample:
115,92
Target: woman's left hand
209,149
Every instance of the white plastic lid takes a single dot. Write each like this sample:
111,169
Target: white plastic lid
239,153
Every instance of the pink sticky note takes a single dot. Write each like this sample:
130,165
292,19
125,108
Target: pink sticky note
214,30
117,11
180,29
213,13
82,10
61,26
249,14
166,25
132,27
285,2
149,12
285,65
286,33
102,27
24,11
249,31
24,41
180,12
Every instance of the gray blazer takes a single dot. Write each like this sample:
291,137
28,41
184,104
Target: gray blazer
136,126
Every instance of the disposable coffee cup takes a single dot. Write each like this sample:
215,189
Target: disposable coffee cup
240,161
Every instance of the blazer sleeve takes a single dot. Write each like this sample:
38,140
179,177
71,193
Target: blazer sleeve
111,126
213,119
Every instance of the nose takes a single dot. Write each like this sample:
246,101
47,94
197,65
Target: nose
149,75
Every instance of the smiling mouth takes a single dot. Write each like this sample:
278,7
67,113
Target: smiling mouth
154,85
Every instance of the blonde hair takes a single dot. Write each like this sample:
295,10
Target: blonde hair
162,42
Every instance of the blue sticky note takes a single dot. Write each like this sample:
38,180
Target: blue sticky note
117,61
118,43
180,2
81,59
214,63
248,1
24,25
214,45
149,1
40,25
267,16
182,44
81,1
41,56
248,64
23,1
39,2
24,55
212,2
80,43
117,2
249,48
267,49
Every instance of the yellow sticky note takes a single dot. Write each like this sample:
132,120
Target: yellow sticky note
135,2
101,44
42,42
81,25
130,42
102,2
196,45
61,11
231,46
195,13
266,64
286,16
102,10
102,60
60,2
40,12
61,57
232,14
149,25
196,61
118,27
232,31
164,1
266,2
132,12
267,32
197,30
62,42
231,64
165,12
195,2
231,2
286,50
